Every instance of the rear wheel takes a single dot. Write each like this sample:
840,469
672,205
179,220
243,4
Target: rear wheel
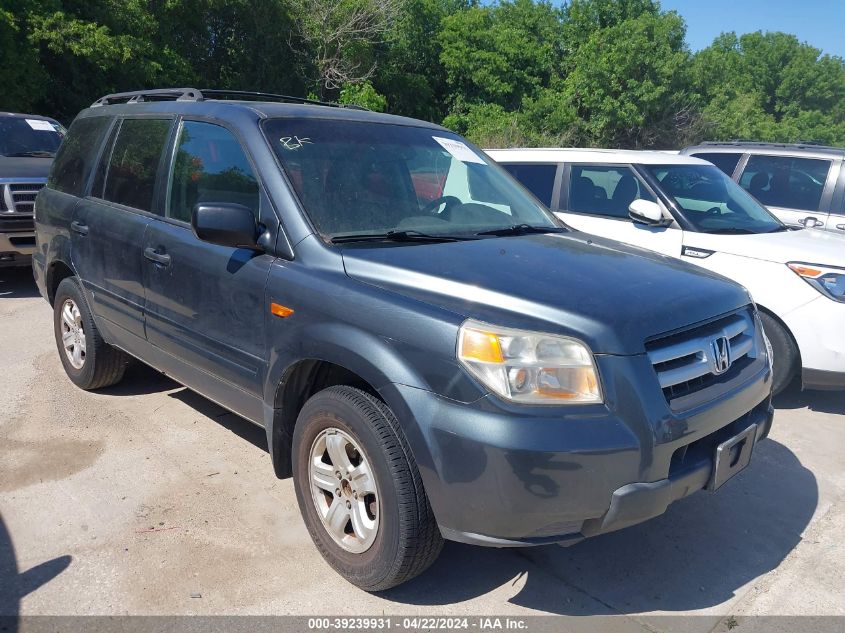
359,490
89,361
784,352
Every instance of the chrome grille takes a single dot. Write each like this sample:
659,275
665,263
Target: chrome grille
691,360
20,197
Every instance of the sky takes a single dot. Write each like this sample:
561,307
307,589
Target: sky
820,23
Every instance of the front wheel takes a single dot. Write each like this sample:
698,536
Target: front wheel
359,490
784,353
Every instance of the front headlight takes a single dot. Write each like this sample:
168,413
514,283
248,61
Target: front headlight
529,367
827,280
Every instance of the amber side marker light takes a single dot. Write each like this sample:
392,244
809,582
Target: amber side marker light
280,311
805,271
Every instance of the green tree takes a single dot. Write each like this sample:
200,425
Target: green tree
410,73
770,86
232,44
500,53
338,38
87,48
629,84
24,81
364,95
582,18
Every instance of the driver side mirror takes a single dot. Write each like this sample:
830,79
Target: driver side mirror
646,212
225,224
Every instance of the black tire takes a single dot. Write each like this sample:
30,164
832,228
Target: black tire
784,353
103,365
407,540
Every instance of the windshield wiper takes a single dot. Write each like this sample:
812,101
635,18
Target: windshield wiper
732,230
33,154
523,229
396,236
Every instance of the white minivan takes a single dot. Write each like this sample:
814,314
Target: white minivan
686,208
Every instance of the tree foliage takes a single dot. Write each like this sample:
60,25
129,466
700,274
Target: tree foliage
510,72
770,86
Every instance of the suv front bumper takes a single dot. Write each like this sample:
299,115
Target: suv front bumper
504,475
16,249
817,329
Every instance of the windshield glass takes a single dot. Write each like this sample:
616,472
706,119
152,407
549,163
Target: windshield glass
29,137
712,202
372,178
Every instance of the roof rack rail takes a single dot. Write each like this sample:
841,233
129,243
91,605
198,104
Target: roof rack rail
192,94
795,144
249,94
210,93
136,96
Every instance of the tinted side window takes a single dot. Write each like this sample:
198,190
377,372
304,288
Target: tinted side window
538,179
724,161
209,166
600,190
134,162
76,154
782,181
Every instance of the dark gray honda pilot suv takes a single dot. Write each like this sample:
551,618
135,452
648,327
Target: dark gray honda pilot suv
433,355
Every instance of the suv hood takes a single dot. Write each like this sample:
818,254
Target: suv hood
24,167
609,295
805,245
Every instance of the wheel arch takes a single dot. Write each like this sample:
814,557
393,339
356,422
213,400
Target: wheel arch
789,333
57,271
303,378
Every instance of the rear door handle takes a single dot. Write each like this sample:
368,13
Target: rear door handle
841,227
77,227
159,258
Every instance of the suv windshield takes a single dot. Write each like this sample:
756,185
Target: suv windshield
376,179
712,202
20,136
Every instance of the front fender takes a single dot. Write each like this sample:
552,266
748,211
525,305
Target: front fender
371,357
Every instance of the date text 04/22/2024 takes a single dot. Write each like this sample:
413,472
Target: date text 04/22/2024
417,623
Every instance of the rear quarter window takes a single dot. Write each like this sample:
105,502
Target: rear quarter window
76,155
134,163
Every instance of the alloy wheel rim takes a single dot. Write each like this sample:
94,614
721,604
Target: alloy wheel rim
344,490
73,334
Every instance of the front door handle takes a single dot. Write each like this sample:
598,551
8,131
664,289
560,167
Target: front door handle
153,255
77,227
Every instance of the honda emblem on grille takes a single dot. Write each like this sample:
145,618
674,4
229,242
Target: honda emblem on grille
721,348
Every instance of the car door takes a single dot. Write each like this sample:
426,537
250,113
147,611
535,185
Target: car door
595,199
108,226
205,303
798,190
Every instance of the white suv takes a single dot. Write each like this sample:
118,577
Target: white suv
687,208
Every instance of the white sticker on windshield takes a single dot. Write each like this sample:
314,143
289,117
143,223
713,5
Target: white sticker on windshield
43,126
459,150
